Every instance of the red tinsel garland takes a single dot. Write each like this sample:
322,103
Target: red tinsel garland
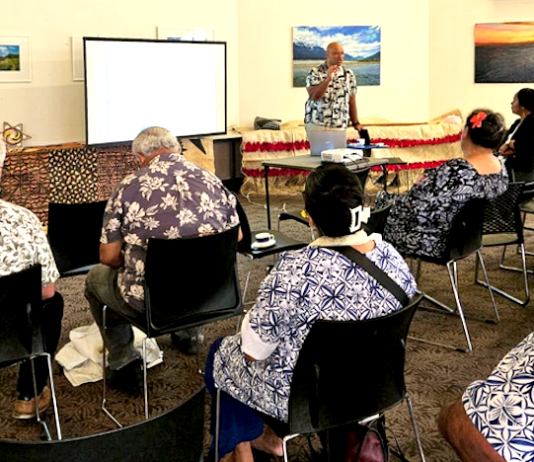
256,146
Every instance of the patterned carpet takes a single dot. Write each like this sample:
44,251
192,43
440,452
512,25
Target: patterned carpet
435,376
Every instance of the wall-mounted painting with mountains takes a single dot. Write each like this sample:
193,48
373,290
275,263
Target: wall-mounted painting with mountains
360,43
504,52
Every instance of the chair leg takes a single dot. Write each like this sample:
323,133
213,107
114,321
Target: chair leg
452,269
504,293
284,442
145,385
479,258
36,395
104,387
415,428
54,400
217,423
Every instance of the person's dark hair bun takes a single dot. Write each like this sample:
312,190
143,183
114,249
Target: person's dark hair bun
486,128
525,96
331,191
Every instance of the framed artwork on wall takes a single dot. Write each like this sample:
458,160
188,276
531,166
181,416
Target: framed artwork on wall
15,65
187,34
361,45
504,52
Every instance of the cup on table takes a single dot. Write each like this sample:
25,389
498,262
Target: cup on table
262,238
360,141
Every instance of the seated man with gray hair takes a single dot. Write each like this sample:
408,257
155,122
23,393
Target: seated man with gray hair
167,198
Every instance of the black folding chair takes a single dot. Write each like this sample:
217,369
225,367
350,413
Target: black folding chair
464,239
503,226
346,372
74,232
21,330
174,435
189,282
245,247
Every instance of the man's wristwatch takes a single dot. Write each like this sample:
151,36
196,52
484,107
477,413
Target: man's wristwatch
356,122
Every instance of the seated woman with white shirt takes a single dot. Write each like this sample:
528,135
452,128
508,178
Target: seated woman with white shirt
254,368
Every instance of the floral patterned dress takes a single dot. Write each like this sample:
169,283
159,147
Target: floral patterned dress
420,221
305,285
502,407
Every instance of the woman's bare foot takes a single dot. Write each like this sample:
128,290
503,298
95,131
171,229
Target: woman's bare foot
269,442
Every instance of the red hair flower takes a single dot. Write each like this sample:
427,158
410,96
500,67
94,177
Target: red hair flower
476,120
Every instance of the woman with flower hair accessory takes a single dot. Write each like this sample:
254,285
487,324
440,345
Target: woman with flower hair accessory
419,221
519,146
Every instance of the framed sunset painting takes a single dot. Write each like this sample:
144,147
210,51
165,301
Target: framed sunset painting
504,52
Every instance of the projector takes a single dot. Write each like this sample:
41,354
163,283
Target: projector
341,155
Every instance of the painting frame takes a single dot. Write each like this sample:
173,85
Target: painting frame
18,46
177,33
362,45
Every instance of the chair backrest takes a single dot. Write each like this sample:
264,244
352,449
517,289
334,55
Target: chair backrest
74,234
465,236
20,323
175,435
349,370
378,218
503,214
191,279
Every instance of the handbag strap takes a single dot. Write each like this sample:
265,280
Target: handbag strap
363,262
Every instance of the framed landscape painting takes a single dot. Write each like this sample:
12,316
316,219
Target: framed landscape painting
360,43
504,52
15,59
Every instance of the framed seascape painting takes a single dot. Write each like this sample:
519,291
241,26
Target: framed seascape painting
360,43
504,52
15,59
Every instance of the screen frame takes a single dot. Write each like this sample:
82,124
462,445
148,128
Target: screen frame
140,40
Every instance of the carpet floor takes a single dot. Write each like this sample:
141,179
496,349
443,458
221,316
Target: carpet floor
435,376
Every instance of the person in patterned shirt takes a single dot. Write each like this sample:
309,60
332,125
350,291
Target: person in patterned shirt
254,368
167,198
23,244
331,93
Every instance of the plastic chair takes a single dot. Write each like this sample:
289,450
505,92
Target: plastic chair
502,227
21,330
527,207
189,282
283,243
74,232
465,239
171,436
346,372
377,221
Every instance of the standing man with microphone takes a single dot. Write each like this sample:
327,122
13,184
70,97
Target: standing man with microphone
332,94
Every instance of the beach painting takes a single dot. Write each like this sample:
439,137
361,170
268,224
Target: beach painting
360,43
9,57
504,52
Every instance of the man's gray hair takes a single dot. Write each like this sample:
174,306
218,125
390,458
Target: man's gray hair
153,138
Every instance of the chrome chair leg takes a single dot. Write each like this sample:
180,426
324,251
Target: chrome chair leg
104,388
484,271
36,395
54,399
452,271
415,428
217,423
284,442
145,385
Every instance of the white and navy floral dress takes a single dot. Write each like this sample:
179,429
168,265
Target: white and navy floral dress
305,285
502,407
419,222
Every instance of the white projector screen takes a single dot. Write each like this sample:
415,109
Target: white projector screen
133,84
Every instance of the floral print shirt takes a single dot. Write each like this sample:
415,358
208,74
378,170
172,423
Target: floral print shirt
502,407
305,285
332,110
420,221
23,243
170,198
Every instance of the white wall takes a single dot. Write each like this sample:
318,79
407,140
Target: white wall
265,56
51,106
452,54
